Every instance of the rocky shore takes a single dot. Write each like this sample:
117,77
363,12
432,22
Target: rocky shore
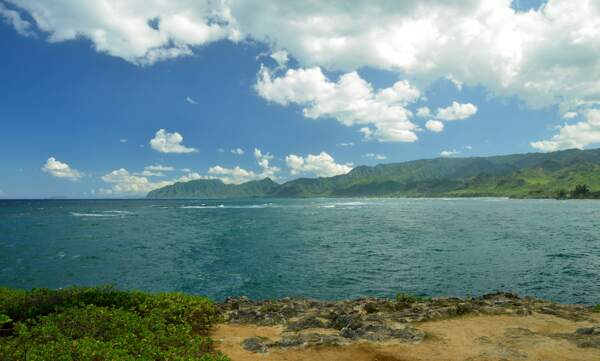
297,324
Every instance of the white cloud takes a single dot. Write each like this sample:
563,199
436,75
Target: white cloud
456,111
434,126
155,170
348,144
123,140
578,135
449,153
124,29
124,182
423,112
12,17
191,101
159,168
234,175
323,165
351,101
570,115
221,150
237,175
165,142
59,169
281,57
468,147
376,156
546,56
237,151
263,160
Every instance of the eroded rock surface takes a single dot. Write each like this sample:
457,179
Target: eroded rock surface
313,323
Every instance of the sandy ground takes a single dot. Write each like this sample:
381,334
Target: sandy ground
466,338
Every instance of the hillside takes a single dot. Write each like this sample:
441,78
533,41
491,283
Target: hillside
214,188
533,175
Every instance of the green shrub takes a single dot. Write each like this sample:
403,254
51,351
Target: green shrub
105,324
405,298
597,308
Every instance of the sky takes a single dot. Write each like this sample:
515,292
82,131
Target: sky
115,98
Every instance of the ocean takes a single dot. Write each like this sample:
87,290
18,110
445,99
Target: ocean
316,248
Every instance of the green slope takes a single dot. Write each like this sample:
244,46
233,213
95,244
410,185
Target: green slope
533,175
214,188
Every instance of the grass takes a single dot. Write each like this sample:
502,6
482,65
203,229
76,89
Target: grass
405,298
104,323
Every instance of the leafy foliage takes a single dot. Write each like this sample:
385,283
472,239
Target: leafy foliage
405,298
105,324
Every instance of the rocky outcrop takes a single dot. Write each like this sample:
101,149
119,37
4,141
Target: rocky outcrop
312,323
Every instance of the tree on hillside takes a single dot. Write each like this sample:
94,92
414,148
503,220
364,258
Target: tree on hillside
581,191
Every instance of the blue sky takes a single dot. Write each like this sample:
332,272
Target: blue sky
78,113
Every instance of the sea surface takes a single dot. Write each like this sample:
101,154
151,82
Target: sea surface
318,248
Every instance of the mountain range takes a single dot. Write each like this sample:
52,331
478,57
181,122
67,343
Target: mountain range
532,175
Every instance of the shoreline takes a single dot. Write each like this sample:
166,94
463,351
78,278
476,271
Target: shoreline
109,323
499,326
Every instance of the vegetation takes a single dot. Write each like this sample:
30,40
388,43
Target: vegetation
406,298
564,174
214,188
105,324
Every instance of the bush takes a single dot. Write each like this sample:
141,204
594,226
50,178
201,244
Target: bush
105,324
405,298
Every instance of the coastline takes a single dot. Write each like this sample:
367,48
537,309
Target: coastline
103,323
499,326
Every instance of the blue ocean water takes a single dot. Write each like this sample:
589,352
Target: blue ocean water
320,248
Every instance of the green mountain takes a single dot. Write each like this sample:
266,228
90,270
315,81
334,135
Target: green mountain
214,188
533,175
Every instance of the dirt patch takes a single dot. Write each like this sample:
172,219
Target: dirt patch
466,338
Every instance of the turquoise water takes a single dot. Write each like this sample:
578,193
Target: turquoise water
321,248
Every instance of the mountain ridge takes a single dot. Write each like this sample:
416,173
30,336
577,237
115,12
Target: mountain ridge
528,175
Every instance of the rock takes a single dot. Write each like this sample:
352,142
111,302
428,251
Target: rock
307,339
408,334
371,307
345,321
594,330
255,344
306,322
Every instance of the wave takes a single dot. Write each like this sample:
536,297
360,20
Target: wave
118,212
102,214
251,206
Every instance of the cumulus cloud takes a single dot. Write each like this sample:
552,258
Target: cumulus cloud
351,101
59,169
578,135
322,165
376,156
234,175
570,115
348,144
123,182
456,111
237,151
141,32
547,55
165,142
12,17
123,140
281,57
434,125
237,175
423,112
449,153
